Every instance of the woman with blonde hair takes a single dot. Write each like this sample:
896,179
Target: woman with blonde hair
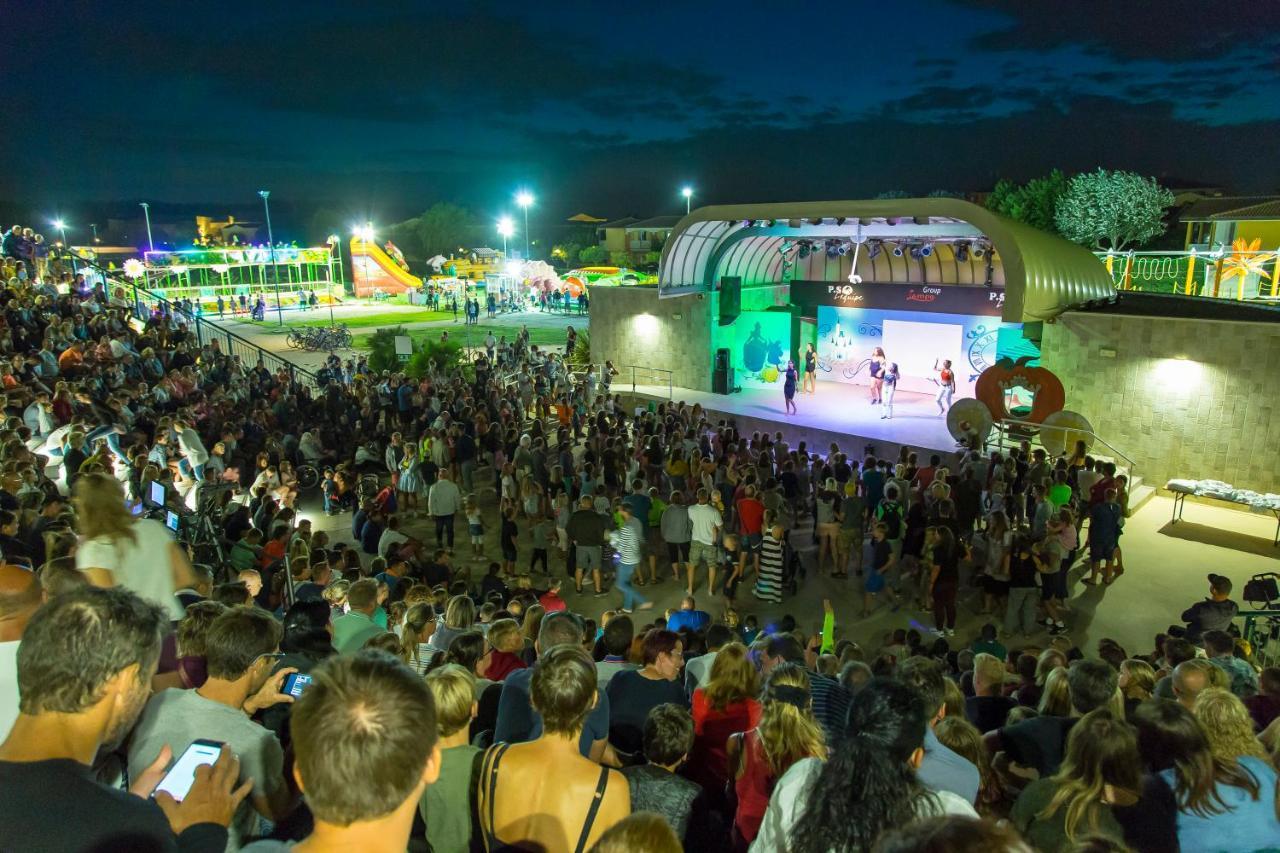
1137,682
725,706
787,733
117,549
335,594
521,805
1228,725
1101,771
459,616
1055,701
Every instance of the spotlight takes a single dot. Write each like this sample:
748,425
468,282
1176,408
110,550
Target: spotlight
979,250
833,249
961,251
786,246
915,252
926,250
843,249
804,250
873,248
898,250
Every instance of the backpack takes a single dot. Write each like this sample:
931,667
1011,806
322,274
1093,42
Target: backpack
891,515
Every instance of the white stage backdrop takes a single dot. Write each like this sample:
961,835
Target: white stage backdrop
916,346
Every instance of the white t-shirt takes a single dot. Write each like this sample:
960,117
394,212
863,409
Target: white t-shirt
791,793
388,540
142,566
705,519
8,687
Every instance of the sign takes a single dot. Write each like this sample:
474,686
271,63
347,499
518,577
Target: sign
404,347
935,298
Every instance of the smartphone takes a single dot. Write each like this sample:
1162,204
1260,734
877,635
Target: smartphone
182,775
156,495
171,520
296,683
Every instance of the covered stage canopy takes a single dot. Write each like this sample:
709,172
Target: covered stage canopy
924,241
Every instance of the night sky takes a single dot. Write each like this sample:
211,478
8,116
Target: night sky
609,108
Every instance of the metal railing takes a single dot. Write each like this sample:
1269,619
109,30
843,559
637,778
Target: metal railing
143,301
657,373
1221,273
1006,429
1262,630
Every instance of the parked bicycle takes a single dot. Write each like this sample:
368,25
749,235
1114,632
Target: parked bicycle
325,339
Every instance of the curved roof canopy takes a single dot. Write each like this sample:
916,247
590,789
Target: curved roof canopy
1042,275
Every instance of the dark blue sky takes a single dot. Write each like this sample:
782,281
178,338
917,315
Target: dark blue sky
608,108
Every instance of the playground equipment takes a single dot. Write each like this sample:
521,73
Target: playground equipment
373,271
205,274
578,279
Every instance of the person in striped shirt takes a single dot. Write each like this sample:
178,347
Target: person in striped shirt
628,543
769,580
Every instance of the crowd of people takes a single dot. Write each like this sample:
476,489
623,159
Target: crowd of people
384,687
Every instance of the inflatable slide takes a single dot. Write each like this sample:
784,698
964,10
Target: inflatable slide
372,269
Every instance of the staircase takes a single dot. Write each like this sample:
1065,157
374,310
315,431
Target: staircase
1010,433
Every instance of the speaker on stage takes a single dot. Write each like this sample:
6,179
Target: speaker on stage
722,373
730,299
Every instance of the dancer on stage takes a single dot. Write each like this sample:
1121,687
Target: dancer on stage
888,384
946,386
789,387
810,369
877,371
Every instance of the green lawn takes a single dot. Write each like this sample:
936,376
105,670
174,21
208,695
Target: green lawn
320,318
473,336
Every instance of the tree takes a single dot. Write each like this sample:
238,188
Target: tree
1111,210
445,227
593,256
1034,203
894,194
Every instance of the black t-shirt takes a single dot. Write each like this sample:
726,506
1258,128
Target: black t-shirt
948,564
436,573
880,552
988,712
631,697
1039,742
1022,571
1151,824
58,805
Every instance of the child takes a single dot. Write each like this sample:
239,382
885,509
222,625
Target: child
882,560
329,489
542,532
750,629
507,540
410,481
475,526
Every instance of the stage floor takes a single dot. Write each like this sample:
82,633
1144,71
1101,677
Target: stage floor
836,411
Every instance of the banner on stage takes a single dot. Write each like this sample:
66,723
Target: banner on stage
941,299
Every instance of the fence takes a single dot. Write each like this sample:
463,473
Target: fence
1216,274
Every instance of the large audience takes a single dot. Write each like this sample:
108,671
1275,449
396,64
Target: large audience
171,584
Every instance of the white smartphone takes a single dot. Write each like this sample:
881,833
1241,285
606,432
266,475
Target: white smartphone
182,775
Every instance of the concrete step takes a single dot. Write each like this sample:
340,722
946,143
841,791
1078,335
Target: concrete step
1139,494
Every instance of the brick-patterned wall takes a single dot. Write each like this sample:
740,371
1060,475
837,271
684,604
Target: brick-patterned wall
1183,398
631,325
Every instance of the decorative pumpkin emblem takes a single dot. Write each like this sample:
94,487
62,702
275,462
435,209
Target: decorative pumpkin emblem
994,383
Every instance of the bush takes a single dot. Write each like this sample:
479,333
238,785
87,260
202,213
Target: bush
593,256
581,355
382,349
445,354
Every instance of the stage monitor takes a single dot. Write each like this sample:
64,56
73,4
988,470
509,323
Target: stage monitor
730,299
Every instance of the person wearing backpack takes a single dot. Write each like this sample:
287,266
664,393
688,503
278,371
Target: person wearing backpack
891,514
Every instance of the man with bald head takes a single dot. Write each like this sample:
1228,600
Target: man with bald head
19,598
1190,679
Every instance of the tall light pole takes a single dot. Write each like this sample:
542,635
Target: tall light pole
337,244
146,211
94,226
62,229
687,192
506,228
271,245
525,199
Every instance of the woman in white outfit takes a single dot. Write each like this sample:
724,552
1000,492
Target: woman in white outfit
946,387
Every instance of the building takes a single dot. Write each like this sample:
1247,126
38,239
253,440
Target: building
214,232
635,242
1212,223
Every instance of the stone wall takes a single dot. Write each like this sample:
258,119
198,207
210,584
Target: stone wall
1183,398
631,326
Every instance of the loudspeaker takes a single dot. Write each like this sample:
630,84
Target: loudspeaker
722,381
730,299
722,359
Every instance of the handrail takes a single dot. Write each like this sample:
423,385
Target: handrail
202,326
1015,422
635,367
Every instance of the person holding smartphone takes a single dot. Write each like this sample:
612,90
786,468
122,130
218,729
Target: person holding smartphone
74,705
241,650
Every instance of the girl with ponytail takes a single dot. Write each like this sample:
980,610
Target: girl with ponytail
868,785
787,733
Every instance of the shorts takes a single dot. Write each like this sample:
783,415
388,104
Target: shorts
475,529
588,557
509,554
678,552
850,538
752,542
874,582
1100,551
700,552
994,588
1053,585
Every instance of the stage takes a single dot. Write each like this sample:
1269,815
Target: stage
838,412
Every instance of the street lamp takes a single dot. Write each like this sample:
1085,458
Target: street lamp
62,229
94,226
687,192
146,211
271,245
336,242
506,228
524,199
